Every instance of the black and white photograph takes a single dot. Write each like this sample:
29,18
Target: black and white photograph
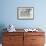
25,12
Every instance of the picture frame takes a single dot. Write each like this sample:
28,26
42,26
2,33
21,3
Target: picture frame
25,13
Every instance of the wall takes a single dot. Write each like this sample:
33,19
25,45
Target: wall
8,13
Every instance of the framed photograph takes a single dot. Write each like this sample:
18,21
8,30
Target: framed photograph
25,13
